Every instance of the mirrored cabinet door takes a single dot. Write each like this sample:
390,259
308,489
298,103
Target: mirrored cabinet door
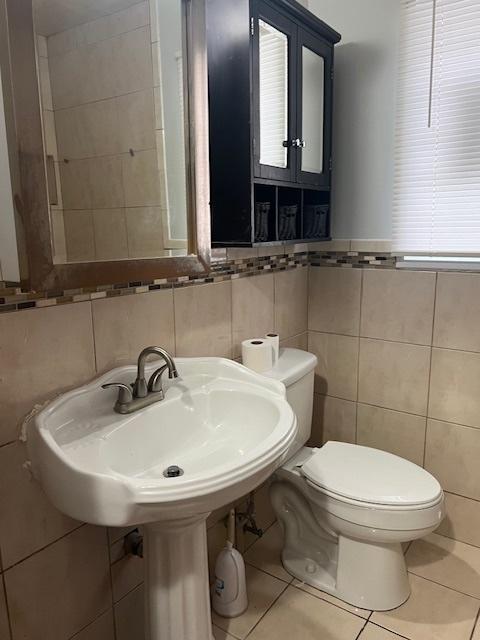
274,87
313,107
314,91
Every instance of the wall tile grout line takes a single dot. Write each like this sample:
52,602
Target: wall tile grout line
430,369
373,338
358,354
94,338
7,605
309,276
175,346
436,347
104,156
459,495
110,575
408,413
77,633
46,546
7,444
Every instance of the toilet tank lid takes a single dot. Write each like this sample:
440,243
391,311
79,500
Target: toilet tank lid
370,475
292,364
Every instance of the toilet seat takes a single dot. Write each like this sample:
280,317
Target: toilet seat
414,516
417,521
370,478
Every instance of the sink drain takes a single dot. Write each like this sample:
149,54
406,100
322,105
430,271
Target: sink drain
173,471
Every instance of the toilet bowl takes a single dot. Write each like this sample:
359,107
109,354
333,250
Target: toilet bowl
345,510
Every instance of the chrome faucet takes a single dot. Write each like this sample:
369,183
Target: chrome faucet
140,394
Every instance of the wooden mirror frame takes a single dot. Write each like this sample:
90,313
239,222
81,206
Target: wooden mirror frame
24,129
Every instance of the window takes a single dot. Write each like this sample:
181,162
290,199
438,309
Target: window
437,180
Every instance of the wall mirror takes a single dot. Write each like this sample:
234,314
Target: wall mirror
107,124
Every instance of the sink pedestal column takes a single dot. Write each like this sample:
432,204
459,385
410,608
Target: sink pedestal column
177,595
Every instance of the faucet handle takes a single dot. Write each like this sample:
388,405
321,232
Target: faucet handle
155,382
125,395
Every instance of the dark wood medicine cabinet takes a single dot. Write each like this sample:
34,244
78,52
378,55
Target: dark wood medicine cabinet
270,65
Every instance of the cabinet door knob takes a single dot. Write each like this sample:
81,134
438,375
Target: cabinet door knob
296,143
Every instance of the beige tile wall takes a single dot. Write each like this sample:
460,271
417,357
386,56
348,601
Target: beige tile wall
399,370
49,558
99,81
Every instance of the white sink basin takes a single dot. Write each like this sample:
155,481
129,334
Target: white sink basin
226,427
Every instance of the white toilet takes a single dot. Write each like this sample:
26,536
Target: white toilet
345,509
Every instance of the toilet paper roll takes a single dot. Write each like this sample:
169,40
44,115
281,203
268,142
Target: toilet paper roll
274,340
257,354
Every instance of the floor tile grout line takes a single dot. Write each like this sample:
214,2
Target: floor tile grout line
267,611
291,584
320,597
398,635
357,637
268,573
370,615
440,584
477,622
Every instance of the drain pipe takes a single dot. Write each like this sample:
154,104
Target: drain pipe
247,519
133,543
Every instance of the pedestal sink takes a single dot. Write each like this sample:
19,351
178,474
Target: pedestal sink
223,428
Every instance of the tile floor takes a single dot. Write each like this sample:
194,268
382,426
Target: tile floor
444,605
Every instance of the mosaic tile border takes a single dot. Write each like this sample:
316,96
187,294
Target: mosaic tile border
353,259
14,298
17,299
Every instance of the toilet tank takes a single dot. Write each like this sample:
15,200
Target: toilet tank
296,369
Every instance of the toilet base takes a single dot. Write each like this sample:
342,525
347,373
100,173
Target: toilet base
367,576
367,573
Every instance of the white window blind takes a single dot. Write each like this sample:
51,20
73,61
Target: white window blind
436,207
273,45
